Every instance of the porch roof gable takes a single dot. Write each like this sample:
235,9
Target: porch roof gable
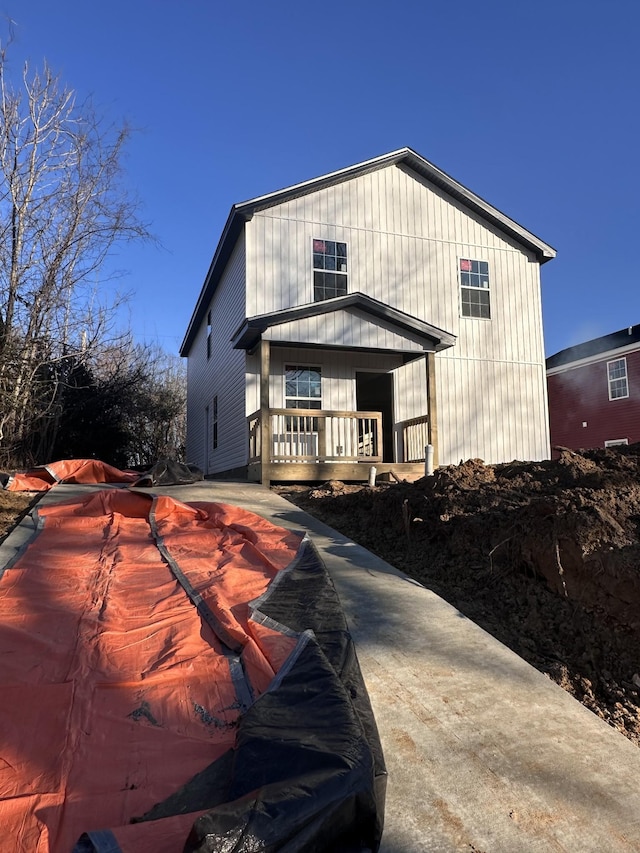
435,339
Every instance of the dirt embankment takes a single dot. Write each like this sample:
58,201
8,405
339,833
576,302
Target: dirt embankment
543,555
13,506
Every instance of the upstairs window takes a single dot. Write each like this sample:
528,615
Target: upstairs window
474,289
329,269
209,335
617,376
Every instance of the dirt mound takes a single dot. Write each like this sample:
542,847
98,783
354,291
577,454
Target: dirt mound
544,555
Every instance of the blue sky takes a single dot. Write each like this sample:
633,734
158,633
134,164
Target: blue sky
532,106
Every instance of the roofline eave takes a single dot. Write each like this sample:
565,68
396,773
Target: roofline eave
426,169
226,243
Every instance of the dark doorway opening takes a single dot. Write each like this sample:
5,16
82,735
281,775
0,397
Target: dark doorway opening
374,393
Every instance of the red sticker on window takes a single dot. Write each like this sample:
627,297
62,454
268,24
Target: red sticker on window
465,265
318,246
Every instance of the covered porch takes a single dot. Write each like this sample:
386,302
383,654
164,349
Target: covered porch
332,445
308,362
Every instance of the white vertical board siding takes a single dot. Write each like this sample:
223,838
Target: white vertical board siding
350,329
405,238
221,375
410,398
404,241
410,385
490,410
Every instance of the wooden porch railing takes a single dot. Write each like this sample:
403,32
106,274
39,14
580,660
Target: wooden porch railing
415,437
310,435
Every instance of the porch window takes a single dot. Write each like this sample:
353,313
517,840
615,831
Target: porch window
302,387
617,375
474,289
329,269
303,390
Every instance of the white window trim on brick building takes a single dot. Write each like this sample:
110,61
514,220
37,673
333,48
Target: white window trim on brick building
617,378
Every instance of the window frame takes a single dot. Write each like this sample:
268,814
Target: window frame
311,367
209,334
616,442
481,272
312,425
335,257
611,380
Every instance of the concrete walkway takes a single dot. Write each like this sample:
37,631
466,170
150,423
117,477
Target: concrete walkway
485,754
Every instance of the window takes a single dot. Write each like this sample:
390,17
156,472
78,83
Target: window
209,335
616,442
214,438
302,387
329,269
474,288
617,376
303,390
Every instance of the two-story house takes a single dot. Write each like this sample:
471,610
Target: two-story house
353,319
594,391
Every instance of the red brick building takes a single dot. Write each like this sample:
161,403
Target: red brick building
594,392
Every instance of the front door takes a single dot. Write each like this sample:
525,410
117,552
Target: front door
374,393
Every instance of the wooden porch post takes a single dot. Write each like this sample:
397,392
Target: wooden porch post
430,361
322,440
265,418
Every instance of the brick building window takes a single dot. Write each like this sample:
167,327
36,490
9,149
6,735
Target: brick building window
617,378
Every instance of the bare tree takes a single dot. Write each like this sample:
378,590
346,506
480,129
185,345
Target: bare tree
158,421
124,404
62,210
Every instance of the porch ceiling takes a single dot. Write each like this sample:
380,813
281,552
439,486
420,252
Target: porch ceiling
421,335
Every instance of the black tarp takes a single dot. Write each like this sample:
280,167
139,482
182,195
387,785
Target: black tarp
167,472
307,772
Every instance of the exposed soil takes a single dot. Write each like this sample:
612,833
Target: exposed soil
543,555
13,506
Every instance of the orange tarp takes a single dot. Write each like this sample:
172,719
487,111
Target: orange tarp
87,471
128,652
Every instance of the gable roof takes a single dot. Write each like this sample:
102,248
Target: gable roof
251,330
629,336
243,212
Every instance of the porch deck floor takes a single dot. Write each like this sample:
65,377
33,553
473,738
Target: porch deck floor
484,753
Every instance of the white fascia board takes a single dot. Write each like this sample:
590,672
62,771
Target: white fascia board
609,355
